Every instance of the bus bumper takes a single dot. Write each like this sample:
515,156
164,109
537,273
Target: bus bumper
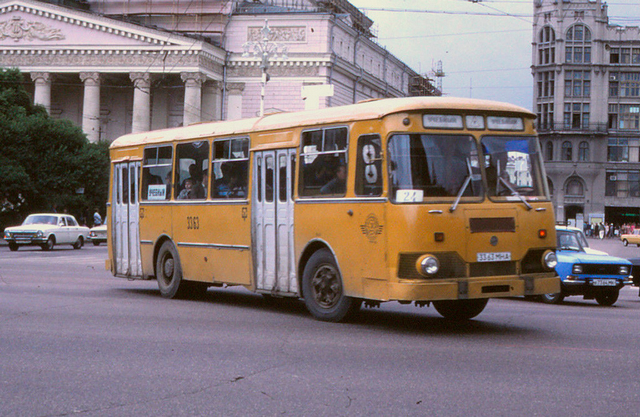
463,288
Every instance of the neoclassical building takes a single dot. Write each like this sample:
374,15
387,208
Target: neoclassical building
120,66
587,97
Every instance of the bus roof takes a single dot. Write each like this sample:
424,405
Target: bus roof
366,110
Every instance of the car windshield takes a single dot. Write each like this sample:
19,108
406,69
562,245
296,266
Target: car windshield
40,219
568,241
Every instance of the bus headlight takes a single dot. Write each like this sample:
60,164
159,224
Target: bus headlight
549,259
428,265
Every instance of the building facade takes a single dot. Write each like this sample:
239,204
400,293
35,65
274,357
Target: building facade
587,97
121,66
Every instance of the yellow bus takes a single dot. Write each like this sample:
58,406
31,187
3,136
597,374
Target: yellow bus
425,199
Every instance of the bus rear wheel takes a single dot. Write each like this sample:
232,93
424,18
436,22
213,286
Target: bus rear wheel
169,272
323,290
460,309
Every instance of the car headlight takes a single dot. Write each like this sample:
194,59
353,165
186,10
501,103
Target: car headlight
549,259
7,235
427,265
577,269
39,233
624,270
92,234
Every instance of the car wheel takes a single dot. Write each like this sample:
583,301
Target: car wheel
323,290
460,309
552,298
169,272
50,243
96,243
78,243
607,298
625,242
13,246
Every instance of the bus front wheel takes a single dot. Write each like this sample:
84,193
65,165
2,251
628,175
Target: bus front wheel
323,290
169,272
460,309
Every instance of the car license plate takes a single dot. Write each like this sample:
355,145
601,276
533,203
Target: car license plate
604,282
493,256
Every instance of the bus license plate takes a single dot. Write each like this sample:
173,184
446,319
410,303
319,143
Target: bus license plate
604,282
493,256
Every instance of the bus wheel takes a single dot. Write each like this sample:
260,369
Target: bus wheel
460,309
169,272
607,298
552,298
323,290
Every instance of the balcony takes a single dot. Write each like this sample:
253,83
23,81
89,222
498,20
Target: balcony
551,127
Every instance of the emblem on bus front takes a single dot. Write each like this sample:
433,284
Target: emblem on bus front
493,240
371,228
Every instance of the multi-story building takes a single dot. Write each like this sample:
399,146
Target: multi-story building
120,66
587,97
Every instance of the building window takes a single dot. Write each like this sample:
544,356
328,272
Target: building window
578,44
621,183
618,150
624,117
575,187
624,56
576,115
545,116
549,151
546,84
567,151
583,151
577,84
546,46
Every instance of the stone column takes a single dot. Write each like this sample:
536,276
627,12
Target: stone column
234,102
91,105
211,93
141,101
42,93
192,96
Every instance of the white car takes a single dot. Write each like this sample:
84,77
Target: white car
98,234
46,231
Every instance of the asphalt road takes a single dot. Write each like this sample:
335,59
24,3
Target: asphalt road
76,341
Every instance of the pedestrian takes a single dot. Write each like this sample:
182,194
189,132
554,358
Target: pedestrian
97,220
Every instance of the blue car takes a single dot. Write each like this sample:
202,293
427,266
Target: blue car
592,276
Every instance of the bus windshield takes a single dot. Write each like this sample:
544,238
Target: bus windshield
434,167
512,167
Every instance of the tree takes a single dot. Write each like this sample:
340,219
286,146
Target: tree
49,161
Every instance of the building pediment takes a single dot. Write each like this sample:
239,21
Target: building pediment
28,24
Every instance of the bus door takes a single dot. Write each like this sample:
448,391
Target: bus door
125,219
272,218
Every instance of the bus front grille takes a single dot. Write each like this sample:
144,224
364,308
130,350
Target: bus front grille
487,269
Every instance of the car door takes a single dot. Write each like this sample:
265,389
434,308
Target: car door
62,232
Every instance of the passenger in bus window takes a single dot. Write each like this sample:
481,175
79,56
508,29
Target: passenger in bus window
167,182
186,191
337,185
197,189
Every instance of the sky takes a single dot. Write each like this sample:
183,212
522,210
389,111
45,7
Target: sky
484,45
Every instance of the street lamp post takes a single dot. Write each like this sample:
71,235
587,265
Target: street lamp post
266,50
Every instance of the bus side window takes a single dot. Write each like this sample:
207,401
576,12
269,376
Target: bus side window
156,173
192,170
369,166
230,168
323,163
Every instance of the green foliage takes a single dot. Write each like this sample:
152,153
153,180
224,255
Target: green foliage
49,161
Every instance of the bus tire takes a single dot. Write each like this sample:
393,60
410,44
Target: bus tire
323,290
552,298
460,309
169,272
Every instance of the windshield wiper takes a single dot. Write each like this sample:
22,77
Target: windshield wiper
514,192
467,180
